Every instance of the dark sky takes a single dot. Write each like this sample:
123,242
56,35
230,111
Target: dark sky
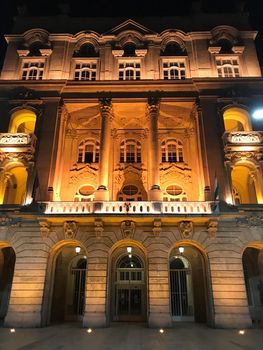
128,9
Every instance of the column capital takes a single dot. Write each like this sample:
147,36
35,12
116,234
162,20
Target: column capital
153,104
105,105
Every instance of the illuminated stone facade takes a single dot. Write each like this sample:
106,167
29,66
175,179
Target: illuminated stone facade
118,147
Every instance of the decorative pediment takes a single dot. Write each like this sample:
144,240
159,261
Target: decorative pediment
129,25
173,171
79,172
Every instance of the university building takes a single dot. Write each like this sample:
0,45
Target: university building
131,181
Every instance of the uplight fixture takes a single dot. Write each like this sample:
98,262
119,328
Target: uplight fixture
12,330
130,256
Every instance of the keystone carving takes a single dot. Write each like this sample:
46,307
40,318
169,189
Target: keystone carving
186,229
70,229
127,228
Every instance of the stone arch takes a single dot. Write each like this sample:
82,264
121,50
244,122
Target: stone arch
252,259
197,306
127,296
236,119
246,182
23,120
57,282
7,266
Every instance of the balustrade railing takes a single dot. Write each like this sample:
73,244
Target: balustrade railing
132,208
17,142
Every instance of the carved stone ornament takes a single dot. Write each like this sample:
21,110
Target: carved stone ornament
45,228
127,228
212,226
186,229
235,156
157,227
70,229
98,223
249,221
6,221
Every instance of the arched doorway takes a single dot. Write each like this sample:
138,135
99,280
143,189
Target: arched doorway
253,273
188,288
7,264
129,300
68,297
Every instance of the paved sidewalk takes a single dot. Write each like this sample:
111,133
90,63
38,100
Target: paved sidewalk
130,337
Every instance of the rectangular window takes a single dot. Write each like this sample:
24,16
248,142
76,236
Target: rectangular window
33,70
173,69
227,67
129,71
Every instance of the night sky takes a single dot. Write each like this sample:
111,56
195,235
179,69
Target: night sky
128,9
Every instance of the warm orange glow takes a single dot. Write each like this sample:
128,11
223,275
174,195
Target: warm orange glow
236,119
14,187
22,121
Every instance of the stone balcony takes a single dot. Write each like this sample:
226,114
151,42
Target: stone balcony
17,143
243,144
129,208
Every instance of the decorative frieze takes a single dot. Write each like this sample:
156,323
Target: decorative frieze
248,221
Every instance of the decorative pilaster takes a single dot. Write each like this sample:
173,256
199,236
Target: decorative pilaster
102,193
154,157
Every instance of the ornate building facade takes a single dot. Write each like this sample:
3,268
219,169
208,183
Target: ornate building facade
131,172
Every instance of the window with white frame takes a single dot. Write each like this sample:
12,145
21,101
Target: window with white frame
130,193
88,151
174,193
129,70
173,69
172,151
33,70
227,67
130,152
85,70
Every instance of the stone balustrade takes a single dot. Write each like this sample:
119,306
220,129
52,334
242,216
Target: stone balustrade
17,142
243,138
131,208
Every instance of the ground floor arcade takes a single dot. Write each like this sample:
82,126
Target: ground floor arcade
107,270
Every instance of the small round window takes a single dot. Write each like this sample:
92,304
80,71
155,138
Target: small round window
86,190
130,190
174,190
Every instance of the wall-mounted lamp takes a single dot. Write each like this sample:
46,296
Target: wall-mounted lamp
130,256
77,250
181,250
258,114
129,249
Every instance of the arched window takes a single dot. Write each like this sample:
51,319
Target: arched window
84,194
174,193
14,186
130,152
88,151
86,50
129,70
22,121
236,119
172,151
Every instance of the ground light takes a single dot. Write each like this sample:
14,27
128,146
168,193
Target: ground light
12,330
258,114
241,332
89,330
161,331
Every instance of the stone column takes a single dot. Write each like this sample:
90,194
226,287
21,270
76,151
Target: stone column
96,285
31,173
158,283
102,194
154,193
3,179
